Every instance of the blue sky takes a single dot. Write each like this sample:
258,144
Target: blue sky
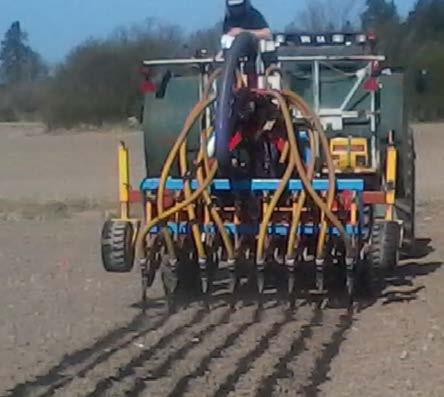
55,26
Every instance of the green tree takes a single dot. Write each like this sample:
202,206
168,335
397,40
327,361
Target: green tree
381,17
19,63
423,48
426,20
379,13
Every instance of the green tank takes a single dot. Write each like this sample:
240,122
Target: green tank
163,119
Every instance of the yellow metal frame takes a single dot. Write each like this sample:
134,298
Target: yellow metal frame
124,182
390,180
125,188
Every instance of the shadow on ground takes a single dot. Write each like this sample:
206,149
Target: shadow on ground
403,285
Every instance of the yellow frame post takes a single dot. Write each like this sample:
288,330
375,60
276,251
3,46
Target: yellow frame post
124,182
354,213
390,178
148,210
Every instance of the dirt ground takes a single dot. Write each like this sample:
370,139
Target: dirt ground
69,329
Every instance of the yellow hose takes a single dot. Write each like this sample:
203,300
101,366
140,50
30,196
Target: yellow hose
190,197
179,207
298,101
191,209
296,215
297,212
284,182
203,155
162,214
184,170
191,119
284,154
325,207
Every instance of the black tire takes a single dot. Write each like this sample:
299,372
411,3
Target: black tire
384,254
117,246
405,206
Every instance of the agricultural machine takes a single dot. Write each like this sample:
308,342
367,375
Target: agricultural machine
279,155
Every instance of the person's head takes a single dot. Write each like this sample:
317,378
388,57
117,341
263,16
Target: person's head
237,8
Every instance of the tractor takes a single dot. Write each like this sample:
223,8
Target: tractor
275,157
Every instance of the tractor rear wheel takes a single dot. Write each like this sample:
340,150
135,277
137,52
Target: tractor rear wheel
405,206
385,242
117,246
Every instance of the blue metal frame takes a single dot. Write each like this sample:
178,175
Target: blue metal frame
184,228
255,185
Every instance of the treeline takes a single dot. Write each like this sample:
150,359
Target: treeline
99,80
21,73
415,44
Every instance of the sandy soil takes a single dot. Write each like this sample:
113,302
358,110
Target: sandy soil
76,166
69,329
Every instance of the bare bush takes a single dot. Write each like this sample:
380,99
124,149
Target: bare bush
99,80
326,15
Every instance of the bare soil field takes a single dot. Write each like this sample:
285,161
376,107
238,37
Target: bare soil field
69,329
74,166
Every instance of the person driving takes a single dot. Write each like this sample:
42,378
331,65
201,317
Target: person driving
241,16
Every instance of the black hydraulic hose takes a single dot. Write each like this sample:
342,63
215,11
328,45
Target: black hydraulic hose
244,45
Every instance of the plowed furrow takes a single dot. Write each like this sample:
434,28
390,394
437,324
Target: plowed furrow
82,360
174,382
295,369
124,363
220,364
152,365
